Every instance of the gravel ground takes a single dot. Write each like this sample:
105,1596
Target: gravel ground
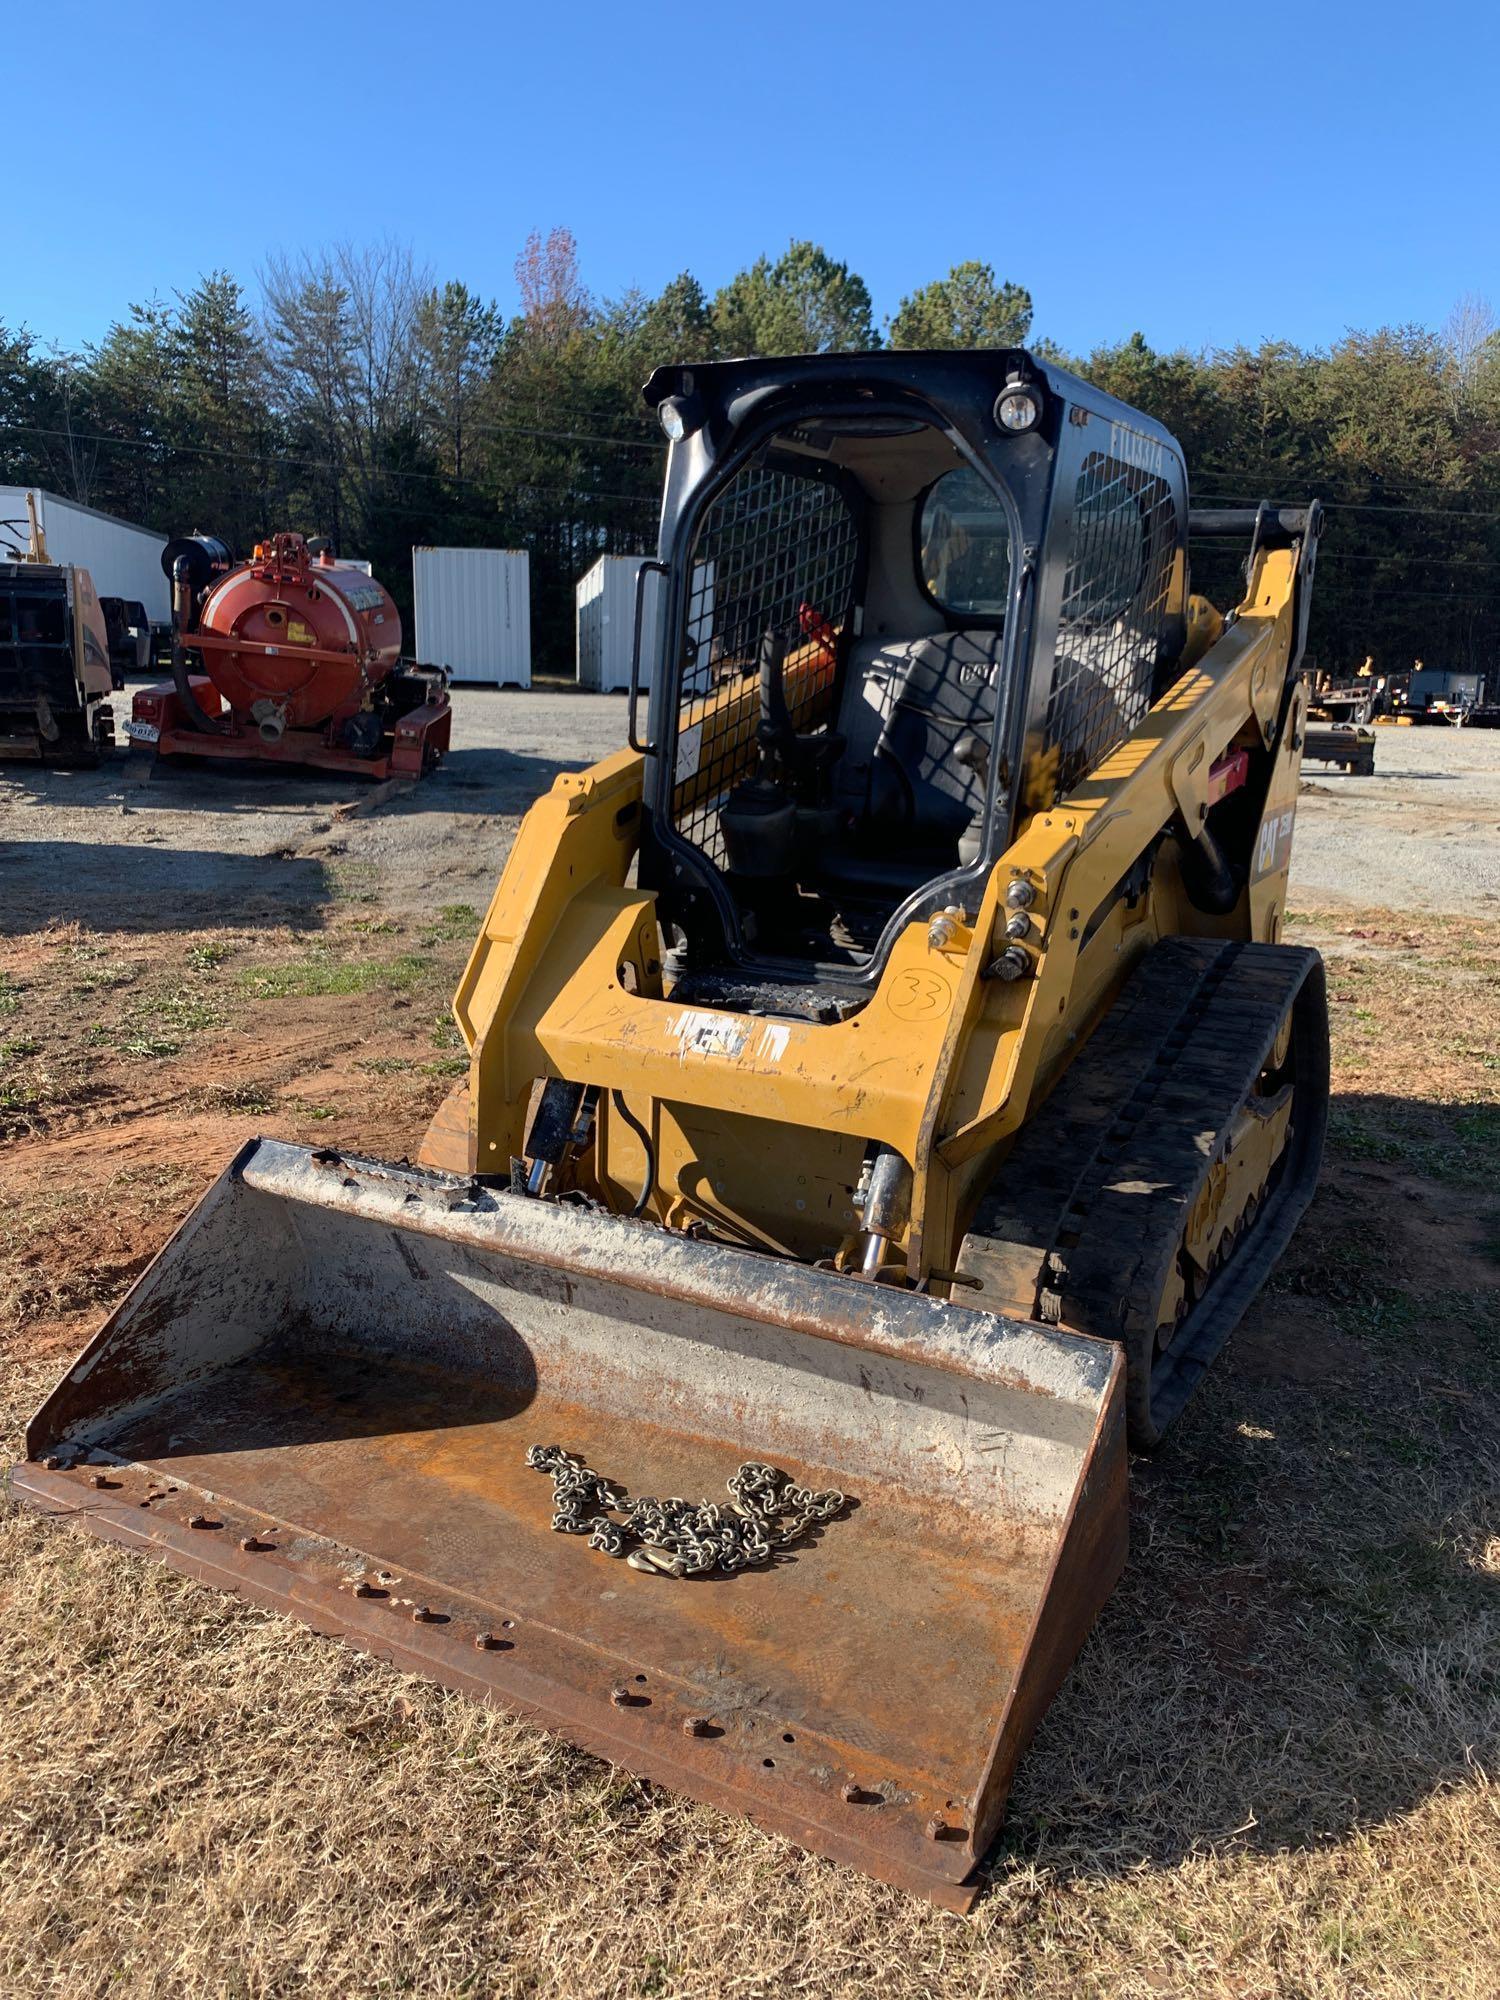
195,844
1422,834
189,845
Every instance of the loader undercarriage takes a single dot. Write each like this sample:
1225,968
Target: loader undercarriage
1150,1197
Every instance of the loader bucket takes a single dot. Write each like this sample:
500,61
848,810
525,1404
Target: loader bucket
322,1392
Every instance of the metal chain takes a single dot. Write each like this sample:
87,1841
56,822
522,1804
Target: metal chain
683,1537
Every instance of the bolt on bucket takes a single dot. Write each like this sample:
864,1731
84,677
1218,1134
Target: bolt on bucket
323,1392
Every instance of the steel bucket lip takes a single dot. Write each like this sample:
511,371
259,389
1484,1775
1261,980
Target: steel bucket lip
557,1680
1075,1371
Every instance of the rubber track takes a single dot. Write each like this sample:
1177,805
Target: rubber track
1090,1203
1057,1158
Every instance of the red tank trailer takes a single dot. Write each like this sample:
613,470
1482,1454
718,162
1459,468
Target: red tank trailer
291,657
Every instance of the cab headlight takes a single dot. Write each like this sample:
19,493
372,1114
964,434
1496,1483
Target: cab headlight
1017,407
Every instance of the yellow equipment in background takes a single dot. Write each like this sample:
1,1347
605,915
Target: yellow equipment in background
55,674
887,1082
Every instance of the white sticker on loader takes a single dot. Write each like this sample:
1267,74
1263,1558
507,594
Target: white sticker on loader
689,749
701,1034
772,1044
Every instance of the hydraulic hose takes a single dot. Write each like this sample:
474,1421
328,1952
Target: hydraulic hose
1212,885
182,597
645,1138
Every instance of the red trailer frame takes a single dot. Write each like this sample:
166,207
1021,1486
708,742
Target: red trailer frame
420,740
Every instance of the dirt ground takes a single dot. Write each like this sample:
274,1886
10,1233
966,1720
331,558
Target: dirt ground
137,841
1272,1773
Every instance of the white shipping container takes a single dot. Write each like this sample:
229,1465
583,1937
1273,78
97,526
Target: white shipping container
123,560
605,623
473,613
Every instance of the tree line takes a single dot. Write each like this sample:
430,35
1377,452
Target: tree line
353,395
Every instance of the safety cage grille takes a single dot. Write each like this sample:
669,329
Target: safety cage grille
1115,607
777,552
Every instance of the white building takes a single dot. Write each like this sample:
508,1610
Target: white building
604,623
122,560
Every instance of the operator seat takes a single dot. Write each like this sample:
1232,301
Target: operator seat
918,718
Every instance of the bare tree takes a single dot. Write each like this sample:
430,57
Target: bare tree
80,453
554,299
1468,340
344,333
386,290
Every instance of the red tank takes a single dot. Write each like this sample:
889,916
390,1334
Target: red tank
297,658
319,638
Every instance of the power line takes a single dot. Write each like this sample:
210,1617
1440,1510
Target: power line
1418,561
1454,599
574,437
1321,479
1415,557
1358,507
541,407
525,490
290,460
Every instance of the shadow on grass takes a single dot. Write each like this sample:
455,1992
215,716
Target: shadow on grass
125,886
1307,1636
149,883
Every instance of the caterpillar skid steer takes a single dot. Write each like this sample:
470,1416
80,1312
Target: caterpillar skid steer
887,1089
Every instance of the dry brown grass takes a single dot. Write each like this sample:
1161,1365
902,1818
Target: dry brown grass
1273,1772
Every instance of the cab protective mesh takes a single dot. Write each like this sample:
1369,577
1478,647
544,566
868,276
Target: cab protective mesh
1115,606
776,552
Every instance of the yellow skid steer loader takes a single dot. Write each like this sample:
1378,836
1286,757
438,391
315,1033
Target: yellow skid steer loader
887,1086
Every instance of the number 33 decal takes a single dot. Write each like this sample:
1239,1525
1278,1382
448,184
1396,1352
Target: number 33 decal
919,996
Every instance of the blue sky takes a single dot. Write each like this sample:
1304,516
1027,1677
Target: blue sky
1205,174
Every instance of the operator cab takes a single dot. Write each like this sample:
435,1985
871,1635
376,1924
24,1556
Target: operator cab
843,697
